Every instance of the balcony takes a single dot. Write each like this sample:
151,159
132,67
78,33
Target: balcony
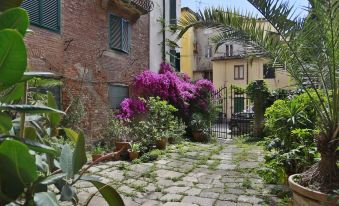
129,9
144,6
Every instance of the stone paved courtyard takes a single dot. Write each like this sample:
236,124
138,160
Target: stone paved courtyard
188,174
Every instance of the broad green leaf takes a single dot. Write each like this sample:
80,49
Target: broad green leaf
15,18
13,93
41,148
111,196
5,123
29,109
18,168
79,156
54,118
66,161
45,198
67,193
71,134
13,57
53,178
30,133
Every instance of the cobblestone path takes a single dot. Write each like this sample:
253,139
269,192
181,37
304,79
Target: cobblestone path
189,174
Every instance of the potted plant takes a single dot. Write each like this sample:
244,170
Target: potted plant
97,152
134,151
308,48
161,143
198,126
120,134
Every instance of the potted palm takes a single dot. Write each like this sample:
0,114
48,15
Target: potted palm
134,152
308,48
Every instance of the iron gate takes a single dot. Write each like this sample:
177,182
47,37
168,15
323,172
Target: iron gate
235,116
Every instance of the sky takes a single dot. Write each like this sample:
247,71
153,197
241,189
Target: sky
241,5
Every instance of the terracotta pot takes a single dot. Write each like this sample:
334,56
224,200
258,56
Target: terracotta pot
96,156
161,143
133,155
123,147
198,136
303,196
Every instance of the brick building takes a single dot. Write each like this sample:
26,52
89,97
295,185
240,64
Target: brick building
96,46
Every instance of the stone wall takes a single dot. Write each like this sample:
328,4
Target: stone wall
80,54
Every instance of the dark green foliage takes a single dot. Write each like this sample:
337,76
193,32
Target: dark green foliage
290,125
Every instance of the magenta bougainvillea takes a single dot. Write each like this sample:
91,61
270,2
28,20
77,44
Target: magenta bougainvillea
176,88
131,107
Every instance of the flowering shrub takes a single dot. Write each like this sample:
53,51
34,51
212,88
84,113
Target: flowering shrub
130,108
175,88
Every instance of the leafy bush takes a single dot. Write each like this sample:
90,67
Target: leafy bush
291,127
119,130
151,156
158,122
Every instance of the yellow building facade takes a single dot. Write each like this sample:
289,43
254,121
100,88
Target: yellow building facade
187,57
241,72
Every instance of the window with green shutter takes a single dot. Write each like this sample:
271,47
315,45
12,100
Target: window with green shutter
43,13
119,34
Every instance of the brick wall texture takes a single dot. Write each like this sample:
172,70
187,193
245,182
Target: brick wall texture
80,54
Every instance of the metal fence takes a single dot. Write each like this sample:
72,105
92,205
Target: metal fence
235,116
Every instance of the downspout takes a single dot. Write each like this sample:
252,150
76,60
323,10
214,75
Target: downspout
163,31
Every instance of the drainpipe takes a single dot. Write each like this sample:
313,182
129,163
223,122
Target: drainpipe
163,31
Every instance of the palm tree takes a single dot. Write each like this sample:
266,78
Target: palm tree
308,47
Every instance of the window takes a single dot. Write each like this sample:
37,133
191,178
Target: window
173,12
229,50
208,51
269,71
119,34
116,94
44,13
175,59
238,72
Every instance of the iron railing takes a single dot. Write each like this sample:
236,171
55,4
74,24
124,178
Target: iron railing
145,5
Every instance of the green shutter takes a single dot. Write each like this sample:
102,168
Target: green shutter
115,32
44,13
50,14
33,9
239,104
119,34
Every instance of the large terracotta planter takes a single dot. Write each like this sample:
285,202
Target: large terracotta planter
198,136
161,143
303,196
133,155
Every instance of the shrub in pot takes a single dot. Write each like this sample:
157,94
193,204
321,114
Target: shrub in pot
97,152
308,48
199,127
134,151
120,134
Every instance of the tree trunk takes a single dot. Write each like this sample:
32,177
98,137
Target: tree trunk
324,174
258,109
